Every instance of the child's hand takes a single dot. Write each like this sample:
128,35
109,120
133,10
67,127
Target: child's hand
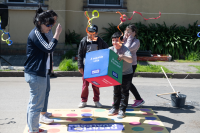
80,70
120,57
125,34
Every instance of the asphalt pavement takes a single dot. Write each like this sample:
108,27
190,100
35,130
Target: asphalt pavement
65,94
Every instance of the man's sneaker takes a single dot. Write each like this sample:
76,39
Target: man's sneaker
45,119
48,114
121,114
138,103
113,112
82,104
40,131
98,104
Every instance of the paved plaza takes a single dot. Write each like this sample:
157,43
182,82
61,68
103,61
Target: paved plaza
65,94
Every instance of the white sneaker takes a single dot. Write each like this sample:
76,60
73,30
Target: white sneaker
45,119
98,104
121,114
40,131
82,104
48,114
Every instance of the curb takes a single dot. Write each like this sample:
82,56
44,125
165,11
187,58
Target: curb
169,75
137,74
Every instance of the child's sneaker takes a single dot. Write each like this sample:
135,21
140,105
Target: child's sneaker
138,103
82,104
113,112
98,104
45,119
48,114
121,114
40,131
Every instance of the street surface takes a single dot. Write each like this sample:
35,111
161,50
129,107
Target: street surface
65,94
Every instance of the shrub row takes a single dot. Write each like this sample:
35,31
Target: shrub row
161,39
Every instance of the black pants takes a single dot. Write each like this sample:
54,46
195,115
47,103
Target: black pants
133,88
121,92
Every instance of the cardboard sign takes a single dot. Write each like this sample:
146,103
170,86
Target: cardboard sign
102,68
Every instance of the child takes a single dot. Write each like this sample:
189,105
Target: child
121,92
133,44
88,45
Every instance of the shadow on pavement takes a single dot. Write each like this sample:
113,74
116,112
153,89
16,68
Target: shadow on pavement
176,124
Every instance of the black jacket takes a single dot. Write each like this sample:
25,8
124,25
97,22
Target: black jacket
37,53
83,49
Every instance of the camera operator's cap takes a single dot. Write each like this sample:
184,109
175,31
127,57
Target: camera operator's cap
93,28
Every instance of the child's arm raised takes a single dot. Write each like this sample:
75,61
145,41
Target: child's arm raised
125,58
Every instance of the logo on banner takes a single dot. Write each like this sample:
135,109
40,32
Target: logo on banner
115,62
115,74
95,127
94,82
97,71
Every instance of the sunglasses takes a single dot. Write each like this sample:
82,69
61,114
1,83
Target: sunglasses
48,25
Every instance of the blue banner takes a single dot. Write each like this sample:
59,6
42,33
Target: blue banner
95,127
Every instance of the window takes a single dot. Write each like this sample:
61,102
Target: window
24,1
24,4
105,2
105,5
15,1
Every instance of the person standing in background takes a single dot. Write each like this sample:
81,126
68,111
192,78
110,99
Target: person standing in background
133,44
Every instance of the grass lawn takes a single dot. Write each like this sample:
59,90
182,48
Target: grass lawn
186,61
69,65
198,67
5,70
152,68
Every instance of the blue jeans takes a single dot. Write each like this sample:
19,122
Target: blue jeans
47,94
38,87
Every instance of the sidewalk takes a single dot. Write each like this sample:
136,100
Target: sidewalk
181,70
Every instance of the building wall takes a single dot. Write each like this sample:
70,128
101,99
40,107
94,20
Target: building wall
20,21
166,6
78,22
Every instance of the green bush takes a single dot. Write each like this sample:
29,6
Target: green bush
68,65
72,38
193,56
161,39
69,54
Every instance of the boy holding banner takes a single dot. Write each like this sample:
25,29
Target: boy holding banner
121,92
87,44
